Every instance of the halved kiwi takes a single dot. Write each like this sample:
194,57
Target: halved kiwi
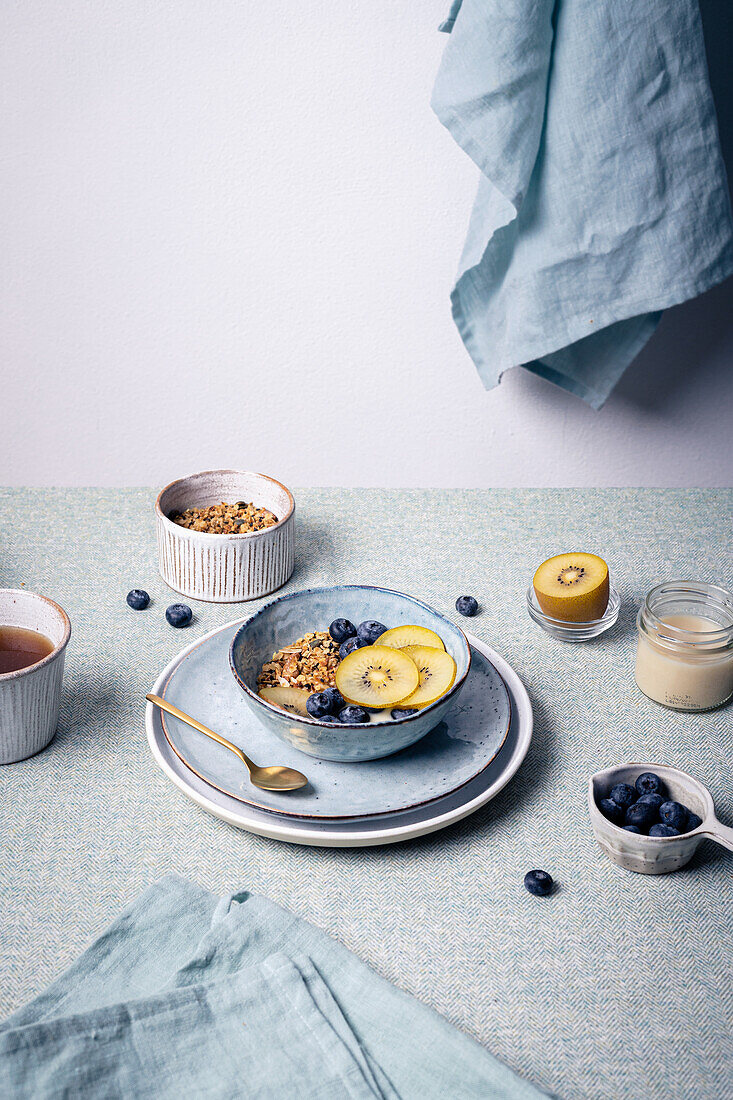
400,636
376,676
437,673
573,588
287,698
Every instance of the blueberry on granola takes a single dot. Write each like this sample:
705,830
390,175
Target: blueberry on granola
467,605
341,629
179,614
138,599
369,631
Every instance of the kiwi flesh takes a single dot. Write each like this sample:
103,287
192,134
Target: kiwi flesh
573,588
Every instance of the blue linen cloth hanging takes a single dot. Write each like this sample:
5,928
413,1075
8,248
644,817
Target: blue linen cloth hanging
603,197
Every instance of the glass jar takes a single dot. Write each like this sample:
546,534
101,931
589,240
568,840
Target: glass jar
684,657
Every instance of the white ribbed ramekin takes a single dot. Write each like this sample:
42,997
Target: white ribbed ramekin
30,697
225,568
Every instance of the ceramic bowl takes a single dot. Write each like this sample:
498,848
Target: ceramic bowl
225,568
655,855
30,697
574,632
292,616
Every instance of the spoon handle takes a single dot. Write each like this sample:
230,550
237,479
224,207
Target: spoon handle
721,834
181,714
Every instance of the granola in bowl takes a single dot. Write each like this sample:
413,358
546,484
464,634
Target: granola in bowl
308,663
226,519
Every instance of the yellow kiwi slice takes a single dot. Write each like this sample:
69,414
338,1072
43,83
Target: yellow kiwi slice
400,636
376,676
572,587
437,671
287,698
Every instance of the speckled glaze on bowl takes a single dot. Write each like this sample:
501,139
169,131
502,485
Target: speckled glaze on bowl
291,616
655,855
225,568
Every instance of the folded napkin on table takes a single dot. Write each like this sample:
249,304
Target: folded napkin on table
188,994
603,198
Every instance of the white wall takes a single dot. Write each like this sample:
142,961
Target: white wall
229,232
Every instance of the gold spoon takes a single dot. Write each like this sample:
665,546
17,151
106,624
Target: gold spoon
273,778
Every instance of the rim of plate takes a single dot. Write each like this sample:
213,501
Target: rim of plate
328,817
300,833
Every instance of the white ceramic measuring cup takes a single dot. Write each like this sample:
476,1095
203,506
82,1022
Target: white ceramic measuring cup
652,855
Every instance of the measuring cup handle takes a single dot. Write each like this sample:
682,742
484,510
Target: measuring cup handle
721,834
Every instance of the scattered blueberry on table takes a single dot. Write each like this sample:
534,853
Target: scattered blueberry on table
341,629
138,599
538,883
179,614
352,715
369,631
467,605
647,809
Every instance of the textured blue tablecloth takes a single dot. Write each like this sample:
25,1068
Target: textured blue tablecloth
619,987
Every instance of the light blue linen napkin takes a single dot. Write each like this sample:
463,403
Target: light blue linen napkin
190,995
603,197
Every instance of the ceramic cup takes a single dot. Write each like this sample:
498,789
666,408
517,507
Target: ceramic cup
30,697
655,855
225,568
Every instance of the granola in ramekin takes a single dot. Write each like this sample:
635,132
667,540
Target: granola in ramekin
226,519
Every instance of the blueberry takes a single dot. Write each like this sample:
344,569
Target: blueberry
654,800
466,605
328,718
341,629
318,704
674,814
397,713
349,646
179,614
539,883
351,715
649,783
369,631
693,821
642,815
611,810
663,830
138,599
632,829
335,699
623,794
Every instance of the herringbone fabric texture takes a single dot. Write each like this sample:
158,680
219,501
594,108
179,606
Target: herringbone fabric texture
619,986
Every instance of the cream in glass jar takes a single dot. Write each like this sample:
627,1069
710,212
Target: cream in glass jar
684,658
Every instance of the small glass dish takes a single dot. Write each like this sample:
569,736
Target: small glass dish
574,632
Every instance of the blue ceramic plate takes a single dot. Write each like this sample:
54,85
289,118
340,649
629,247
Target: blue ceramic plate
455,752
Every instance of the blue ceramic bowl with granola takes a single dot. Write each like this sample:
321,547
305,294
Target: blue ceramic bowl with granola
284,621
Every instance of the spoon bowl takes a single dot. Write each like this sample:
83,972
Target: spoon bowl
271,778
655,855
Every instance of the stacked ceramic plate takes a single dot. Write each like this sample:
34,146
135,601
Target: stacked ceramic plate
459,766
